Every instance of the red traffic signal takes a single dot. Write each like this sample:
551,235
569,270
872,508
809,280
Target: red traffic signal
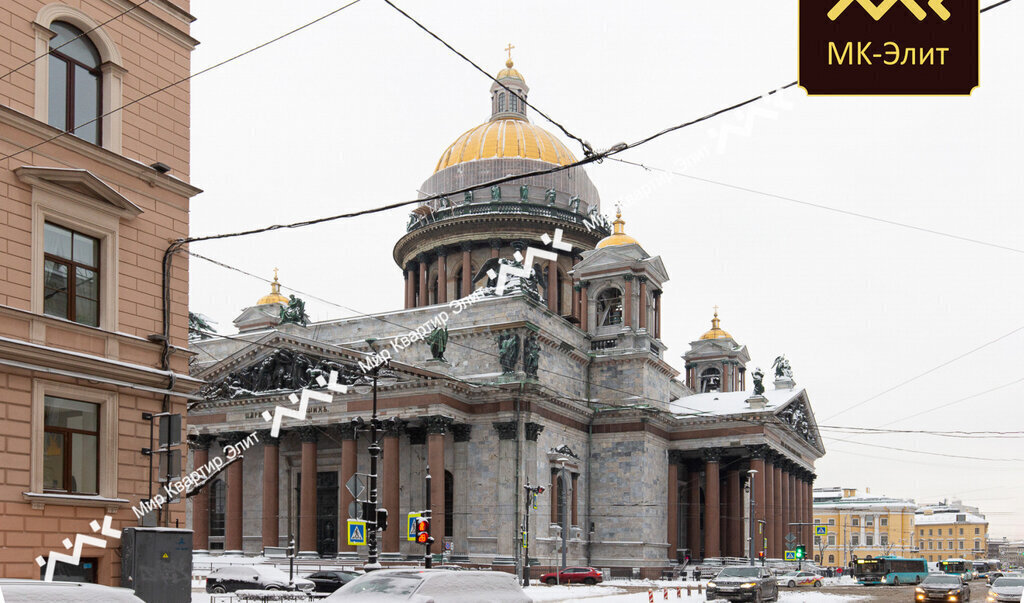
423,531
540,489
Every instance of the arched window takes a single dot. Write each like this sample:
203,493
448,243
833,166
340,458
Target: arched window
74,83
513,103
458,283
609,307
433,291
501,101
449,504
217,505
710,380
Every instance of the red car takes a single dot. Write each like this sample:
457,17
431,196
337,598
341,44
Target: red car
584,575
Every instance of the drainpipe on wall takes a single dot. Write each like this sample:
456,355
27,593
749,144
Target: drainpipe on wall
590,440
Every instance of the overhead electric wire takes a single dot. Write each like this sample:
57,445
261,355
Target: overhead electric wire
84,33
184,79
927,372
821,206
942,454
587,149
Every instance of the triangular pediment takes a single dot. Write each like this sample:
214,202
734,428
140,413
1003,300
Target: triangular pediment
279,362
79,183
798,415
624,257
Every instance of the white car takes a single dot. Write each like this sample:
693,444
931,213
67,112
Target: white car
793,579
431,586
12,590
229,578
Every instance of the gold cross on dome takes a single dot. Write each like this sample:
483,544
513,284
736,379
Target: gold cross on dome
509,50
716,309
275,274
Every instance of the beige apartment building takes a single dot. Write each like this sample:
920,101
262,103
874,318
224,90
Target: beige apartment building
84,222
951,530
859,525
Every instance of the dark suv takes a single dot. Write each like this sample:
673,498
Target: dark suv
744,584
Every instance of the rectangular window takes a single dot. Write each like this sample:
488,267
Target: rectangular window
856,521
817,541
869,539
869,520
831,522
977,531
931,545
961,531
961,543
885,539
855,539
939,545
817,521
883,521
930,531
70,446
71,273
950,543
922,531
832,539
977,545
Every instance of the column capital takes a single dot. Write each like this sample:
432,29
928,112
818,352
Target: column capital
494,243
519,245
231,438
584,284
441,252
577,287
267,439
656,293
393,429
712,455
507,430
307,433
466,246
627,277
759,451
422,258
641,278
461,431
202,441
346,431
411,266
437,424
675,457
417,436
533,431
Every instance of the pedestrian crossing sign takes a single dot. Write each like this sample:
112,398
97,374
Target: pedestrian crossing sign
790,555
821,530
410,526
356,532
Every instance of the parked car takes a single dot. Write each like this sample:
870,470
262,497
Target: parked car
1006,589
744,584
229,578
944,587
994,575
793,579
432,586
330,581
12,590
573,575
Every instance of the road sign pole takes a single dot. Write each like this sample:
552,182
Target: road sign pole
427,557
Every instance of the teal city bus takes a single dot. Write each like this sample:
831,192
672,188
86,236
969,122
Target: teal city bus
890,570
957,566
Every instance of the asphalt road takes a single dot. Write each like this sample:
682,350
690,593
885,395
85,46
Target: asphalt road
898,593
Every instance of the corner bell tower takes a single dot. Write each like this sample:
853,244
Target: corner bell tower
715,362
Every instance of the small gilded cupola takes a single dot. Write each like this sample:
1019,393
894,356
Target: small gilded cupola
715,362
509,92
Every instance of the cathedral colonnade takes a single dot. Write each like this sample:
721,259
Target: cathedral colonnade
709,503
302,493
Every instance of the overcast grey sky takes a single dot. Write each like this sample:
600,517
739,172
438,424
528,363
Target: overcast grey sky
355,111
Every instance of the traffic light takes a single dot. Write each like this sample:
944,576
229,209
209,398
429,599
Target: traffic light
423,531
760,554
801,551
382,519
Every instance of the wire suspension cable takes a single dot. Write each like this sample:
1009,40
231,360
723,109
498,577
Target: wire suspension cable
183,80
84,33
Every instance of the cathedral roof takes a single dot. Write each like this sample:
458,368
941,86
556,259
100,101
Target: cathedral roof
716,331
274,297
508,133
506,137
619,237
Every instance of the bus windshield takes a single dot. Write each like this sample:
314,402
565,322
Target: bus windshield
869,566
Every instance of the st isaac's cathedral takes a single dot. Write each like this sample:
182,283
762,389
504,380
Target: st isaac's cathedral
553,377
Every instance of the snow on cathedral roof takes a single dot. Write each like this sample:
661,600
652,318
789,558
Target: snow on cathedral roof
732,403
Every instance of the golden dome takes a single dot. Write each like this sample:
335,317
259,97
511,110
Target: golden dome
507,137
274,297
508,71
716,331
619,237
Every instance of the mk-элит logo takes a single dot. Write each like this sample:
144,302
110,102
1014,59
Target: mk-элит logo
864,47
877,12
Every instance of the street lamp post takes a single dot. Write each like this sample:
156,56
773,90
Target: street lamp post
753,521
379,375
